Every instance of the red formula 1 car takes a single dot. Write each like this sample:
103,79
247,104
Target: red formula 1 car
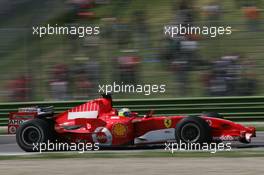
97,122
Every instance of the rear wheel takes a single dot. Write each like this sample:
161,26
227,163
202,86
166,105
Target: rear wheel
193,130
33,132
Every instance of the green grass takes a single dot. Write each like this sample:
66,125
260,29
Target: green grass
141,154
261,128
3,130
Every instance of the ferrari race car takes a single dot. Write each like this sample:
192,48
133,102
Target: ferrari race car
96,121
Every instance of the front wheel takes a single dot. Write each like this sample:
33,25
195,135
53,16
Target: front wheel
193,130
33,132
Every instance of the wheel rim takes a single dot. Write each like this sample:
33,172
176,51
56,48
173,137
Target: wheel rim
31,135
190,133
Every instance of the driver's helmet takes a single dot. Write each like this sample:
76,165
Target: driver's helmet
125,112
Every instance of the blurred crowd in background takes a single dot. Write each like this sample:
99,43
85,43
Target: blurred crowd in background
131,48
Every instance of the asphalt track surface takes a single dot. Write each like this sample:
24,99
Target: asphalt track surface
138,166
8,145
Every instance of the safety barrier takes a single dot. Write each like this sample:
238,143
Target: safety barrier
232,108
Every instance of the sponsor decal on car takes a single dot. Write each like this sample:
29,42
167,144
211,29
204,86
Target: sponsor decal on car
167,122
12,129
16,122
209,122
226,138
119,130
102,136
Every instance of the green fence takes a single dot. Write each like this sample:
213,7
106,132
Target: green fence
233,108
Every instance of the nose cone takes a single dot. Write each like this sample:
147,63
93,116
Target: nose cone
245,136
252,130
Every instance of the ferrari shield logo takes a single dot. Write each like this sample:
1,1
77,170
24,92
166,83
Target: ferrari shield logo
167,122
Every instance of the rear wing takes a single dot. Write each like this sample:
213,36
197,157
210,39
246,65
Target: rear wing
17,118
25,114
